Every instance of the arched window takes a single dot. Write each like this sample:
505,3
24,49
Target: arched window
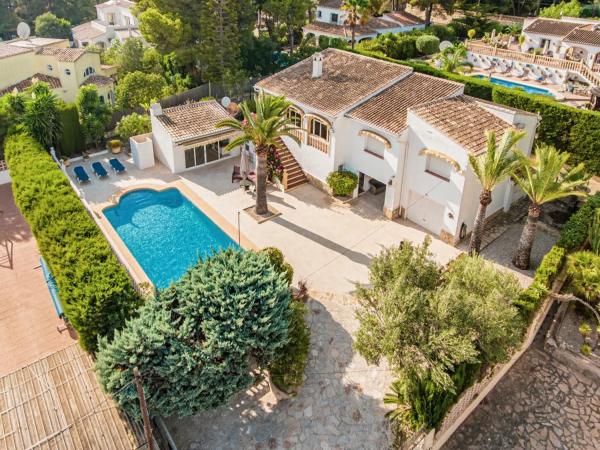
88,71
319,128
67,72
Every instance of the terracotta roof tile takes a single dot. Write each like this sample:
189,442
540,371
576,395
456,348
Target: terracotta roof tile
387,110
86,31
334,4
338,30
53,82
586,35
98,80
462,120
7,50
63,54
193,120
347,79
404,18
551,27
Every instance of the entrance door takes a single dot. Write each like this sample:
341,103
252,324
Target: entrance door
425,212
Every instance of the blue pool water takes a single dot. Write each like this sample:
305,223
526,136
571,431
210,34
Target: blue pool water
165,232
512,84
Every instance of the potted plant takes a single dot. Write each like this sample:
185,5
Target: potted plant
342,182
115,146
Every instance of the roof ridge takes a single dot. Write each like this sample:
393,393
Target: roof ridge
193,104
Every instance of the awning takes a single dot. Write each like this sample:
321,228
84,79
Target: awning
443,157
376,136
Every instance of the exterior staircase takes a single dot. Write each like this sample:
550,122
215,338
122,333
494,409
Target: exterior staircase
293,175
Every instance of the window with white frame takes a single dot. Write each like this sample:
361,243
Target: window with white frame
438,167
319,13
319,129
295,117
88,71
334,18
374,146
205,153
67,72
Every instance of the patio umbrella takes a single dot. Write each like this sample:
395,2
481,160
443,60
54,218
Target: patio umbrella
244,163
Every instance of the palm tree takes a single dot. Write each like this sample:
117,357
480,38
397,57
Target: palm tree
544,178
358,14
491,169
454,59
378,7
263,129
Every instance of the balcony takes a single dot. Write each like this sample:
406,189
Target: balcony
299,134
318,143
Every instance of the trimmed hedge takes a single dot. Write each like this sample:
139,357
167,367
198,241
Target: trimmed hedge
564,127
96,293
71,140
572,237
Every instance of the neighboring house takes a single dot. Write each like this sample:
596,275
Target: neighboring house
401,132
185,137
23,61
553,51
115,21
330,18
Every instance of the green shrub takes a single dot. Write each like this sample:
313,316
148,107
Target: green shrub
95,291
287,369
575,232
342,182
427,44
194,344
132,125
584,272
594,232
568,9
71,140
442,32
398,45
279,263
550,266
585,349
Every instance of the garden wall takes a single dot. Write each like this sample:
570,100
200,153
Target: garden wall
96,293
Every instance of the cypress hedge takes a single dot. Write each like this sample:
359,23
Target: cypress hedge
71,140
564,127
95,291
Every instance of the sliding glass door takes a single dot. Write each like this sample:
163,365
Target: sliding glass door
206,153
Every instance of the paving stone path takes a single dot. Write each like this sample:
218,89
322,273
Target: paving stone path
339,406
540,404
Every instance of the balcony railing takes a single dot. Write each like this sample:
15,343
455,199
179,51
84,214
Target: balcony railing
531,58
299,133
318,143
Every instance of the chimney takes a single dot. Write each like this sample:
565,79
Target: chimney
317,68
155,110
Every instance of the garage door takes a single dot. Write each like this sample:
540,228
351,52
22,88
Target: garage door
425,212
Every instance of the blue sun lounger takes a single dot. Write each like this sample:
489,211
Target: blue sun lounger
81,174
99,169
116,165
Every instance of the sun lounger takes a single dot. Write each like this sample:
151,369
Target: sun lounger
81,174
99,169
116,165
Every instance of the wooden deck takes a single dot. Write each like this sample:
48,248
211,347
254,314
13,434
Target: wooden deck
56,403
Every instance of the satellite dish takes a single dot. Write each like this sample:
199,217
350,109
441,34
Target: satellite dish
444,45
225,102
23,30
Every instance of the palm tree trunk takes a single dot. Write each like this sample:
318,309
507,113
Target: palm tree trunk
261,207
428,14
353,34
523,255
485,198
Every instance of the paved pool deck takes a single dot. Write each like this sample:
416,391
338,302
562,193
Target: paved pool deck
27,318
328,243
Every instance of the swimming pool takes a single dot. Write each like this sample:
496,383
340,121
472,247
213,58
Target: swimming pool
165,232
512,84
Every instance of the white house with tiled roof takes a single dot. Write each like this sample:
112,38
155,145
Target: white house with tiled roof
186,137
330,22
115,20
405,134
23,61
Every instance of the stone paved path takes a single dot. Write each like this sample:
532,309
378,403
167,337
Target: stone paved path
540,404
339,406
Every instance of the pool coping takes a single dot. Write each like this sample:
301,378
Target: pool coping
127,258
487,77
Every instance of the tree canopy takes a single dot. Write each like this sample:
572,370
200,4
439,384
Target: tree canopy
195,342
93,113
140,89
48,25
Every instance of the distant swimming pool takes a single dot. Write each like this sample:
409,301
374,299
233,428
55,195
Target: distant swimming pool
512,84
165,232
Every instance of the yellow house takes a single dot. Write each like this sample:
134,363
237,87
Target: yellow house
24,61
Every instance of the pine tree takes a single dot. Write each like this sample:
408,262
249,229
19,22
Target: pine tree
194,343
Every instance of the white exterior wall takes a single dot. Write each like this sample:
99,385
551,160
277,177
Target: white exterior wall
423,190
162,143
123,16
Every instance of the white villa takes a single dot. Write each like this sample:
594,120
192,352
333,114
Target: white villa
552,52
115,20
330,18
406,135
23,61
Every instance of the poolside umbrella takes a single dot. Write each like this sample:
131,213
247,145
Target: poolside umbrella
244,163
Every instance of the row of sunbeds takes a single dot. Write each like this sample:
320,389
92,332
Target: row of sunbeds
99,170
